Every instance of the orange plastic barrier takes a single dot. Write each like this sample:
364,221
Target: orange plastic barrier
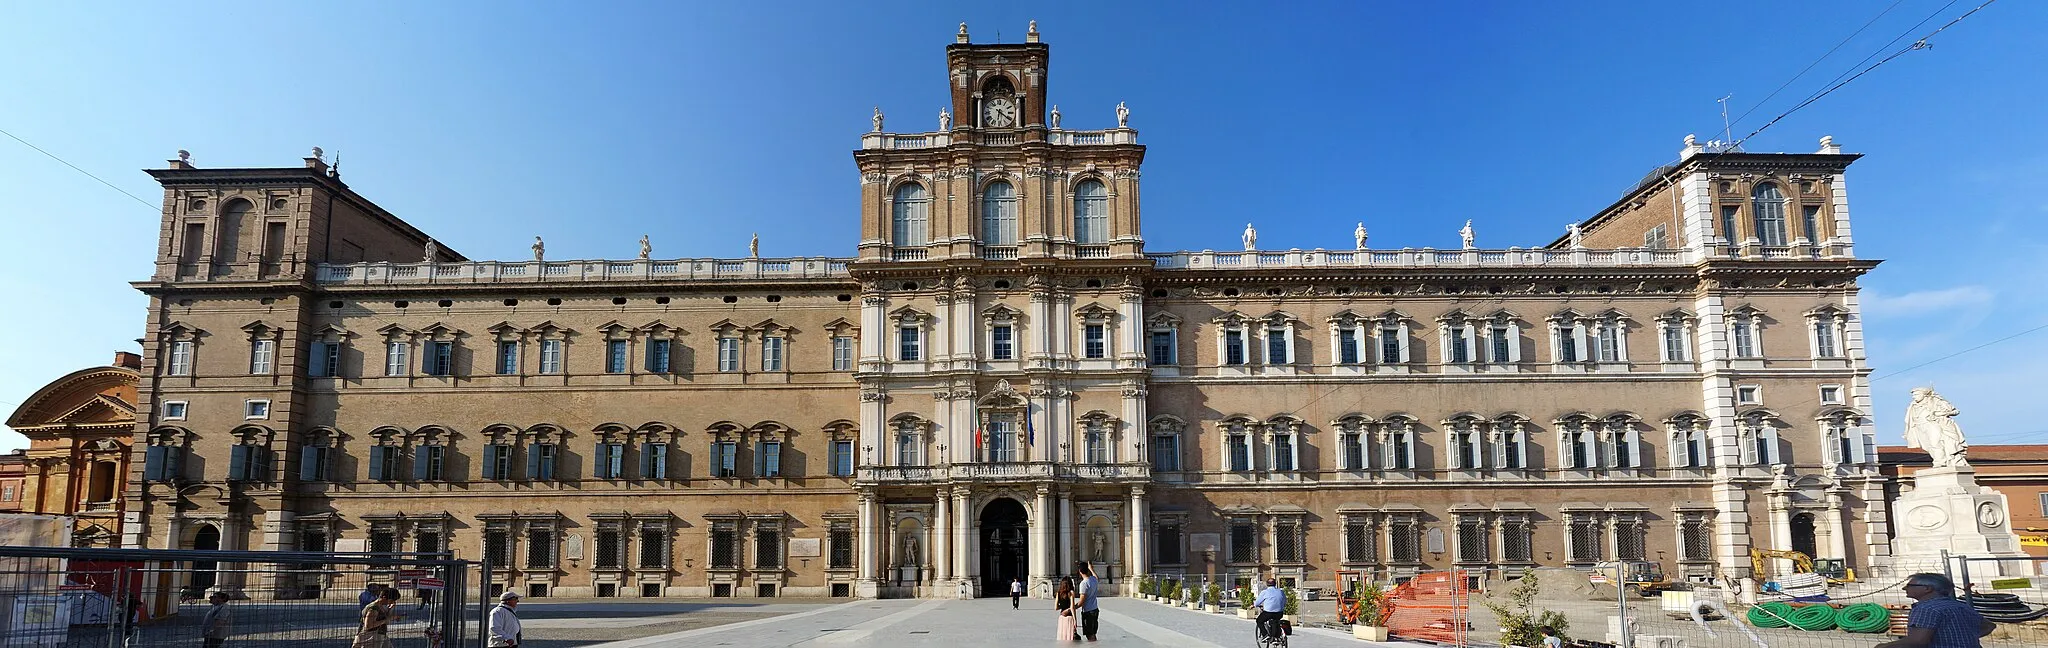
1432,606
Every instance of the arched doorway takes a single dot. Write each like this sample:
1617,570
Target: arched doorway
1004,526
1802,535
205,538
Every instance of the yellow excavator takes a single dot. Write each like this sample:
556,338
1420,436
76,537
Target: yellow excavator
1836,570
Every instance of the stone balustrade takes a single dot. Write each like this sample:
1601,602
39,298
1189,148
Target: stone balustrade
1421,258
475,272
1004,471
912,141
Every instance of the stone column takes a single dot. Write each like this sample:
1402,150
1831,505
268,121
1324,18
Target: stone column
1067,538
1836,527
869,585
942,538
963,535
1041,538
1140,520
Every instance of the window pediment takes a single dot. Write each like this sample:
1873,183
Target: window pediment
1002,397
1094,312
1164,319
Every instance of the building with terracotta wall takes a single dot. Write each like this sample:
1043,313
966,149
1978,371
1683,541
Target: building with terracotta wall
2020,472
13,467
1003,380
76,463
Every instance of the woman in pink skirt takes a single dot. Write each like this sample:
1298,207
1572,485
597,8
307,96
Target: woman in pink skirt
1063,603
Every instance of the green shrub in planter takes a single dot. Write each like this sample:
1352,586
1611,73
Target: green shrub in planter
1244,596
1172,589
1214,596
1293,602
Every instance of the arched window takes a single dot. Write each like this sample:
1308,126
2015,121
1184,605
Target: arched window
1091,213
234,219
999,214
911,216
1768,204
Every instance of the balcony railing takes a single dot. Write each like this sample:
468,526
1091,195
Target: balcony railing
1001,471
908,254
580,271
1092,138
999,253
1422,258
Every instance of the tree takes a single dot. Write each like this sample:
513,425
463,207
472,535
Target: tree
1521,622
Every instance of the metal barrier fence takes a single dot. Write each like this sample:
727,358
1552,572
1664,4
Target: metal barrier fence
1432,606
133,598
2011,591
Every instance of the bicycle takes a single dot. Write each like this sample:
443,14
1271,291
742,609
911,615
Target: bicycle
1264,640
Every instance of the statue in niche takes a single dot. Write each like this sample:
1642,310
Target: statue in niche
645,247
1251,237
540,249
910,550
1101,544
1359,235
1931,426
433,250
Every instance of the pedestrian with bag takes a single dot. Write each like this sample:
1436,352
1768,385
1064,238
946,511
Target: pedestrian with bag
1063,604
504,626
375,631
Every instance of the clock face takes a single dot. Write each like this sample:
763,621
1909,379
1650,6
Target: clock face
999,112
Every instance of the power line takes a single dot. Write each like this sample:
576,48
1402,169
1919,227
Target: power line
1809,67
74,167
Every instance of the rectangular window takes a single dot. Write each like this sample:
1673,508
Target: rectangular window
1097,444
1824,338
771,353
1811,217
256,409
1610,343
842,353
1567,344
1276,346
657,356
1000,344
174,410
508,357
249,463
1354,451
1166,453
1585,541
1240,452
440,360
262,353
654,461
1347,345
1500,345
540,461
610,462
325,361
1515,541
1390,345
1283,452
615,356
1629,542
383,540
1461,351
1511,450
1697,541
312,540
498,547
1830,394
1233,347
725,546
767,547
1472,541
1674,342
728,354
395,362
497,462
1359,544
428,463
1696,449
1287,543
1745,340
384,462
540,547
1002,435
160,463
313,463
768,459
842,548
1166,545
1162,348
1244,539
1400,451
181,358
907,445
1728,218
1576,438
1748,395
1657,238
1405,536
551,356
1092,343
610,546
725,458
842,458
908,348
653,546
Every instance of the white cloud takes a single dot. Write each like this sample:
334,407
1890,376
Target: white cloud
1921,303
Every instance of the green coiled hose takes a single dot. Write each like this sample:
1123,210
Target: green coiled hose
1869,618
1814,617
1770,615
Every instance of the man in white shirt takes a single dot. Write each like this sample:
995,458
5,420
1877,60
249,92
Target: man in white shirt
505,622
1016,591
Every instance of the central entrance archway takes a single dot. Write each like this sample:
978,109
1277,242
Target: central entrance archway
1803,540
1004,526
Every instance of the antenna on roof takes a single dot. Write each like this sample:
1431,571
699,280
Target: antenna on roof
1726,134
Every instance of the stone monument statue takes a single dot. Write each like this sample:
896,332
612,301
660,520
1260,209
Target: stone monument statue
1465,234
540,249
1055,116
1101,548
878,119
754,246
945,120
1573,230
1123,116
910,550
1359,235
433,250
1251,237
1931,426
645,247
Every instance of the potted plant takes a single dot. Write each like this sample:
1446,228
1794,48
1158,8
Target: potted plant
1139,591
1244,602
1521,622
1372,612
1172,589
1192,596
1293,610
1213,598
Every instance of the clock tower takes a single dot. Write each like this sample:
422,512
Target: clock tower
999,86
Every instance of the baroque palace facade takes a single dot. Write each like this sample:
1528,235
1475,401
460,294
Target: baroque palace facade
1004,381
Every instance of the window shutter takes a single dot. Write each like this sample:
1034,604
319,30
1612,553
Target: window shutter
532,461
1635,447
238,463
718,458
156,463
377,462
309,463
422,460
490,466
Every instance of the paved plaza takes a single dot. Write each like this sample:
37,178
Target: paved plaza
904,623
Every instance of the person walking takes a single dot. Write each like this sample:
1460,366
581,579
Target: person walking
1090,605
1272,605
214,626
368,596
505,622
375,631
1063,604
1938,620
1016,591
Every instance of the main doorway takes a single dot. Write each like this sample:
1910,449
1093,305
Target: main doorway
1004,525
1803,540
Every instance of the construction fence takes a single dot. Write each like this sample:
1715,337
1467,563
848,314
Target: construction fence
132,598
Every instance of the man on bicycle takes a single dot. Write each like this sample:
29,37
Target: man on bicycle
1271,602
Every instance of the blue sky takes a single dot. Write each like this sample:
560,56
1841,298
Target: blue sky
700,123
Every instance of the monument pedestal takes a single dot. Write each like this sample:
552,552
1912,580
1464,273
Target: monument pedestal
1948,512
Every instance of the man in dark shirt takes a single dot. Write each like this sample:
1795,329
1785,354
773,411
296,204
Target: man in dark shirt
1938,620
